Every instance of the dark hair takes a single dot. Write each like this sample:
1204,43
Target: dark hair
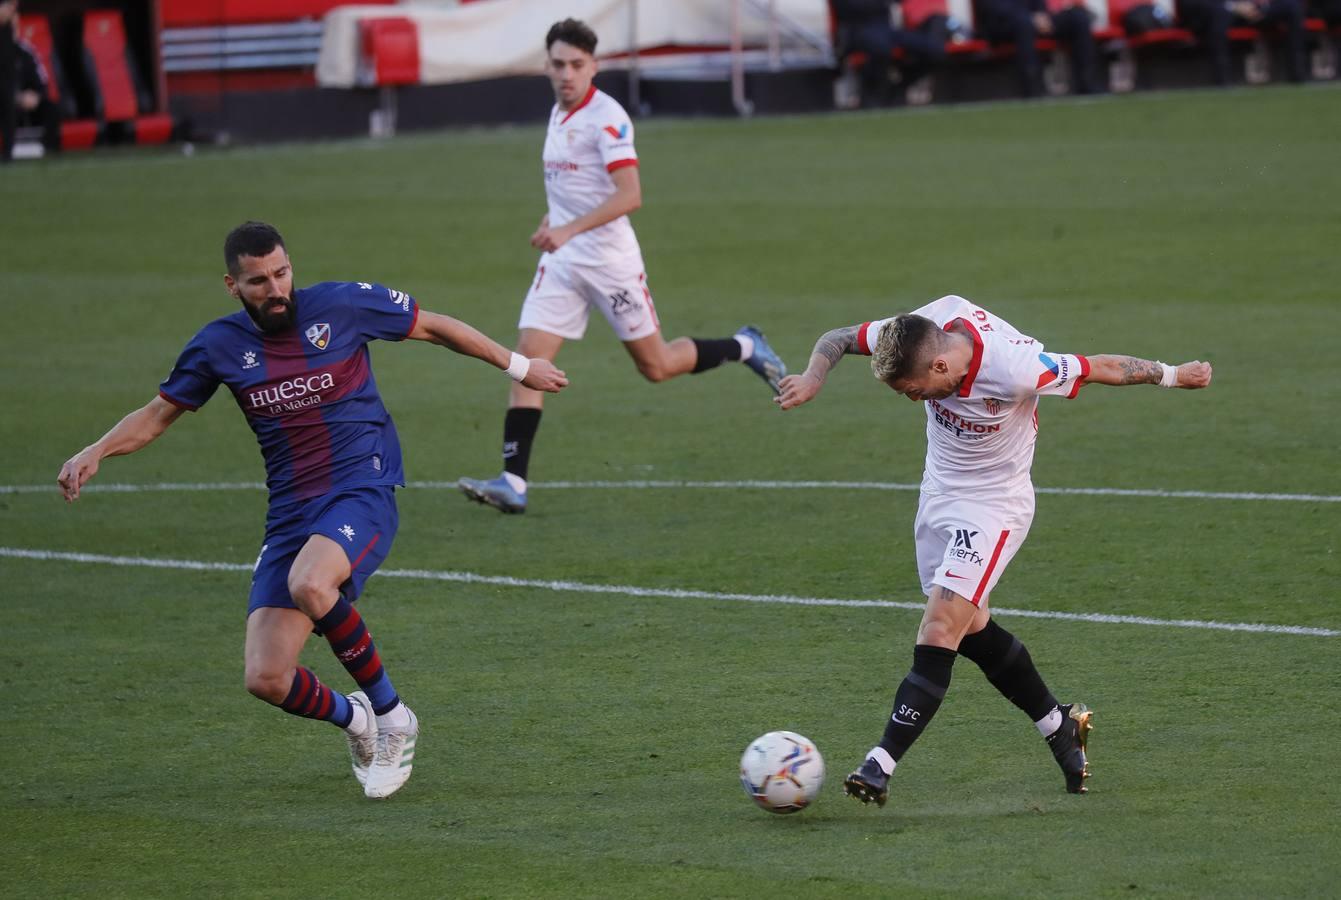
573,32
903,346
250,239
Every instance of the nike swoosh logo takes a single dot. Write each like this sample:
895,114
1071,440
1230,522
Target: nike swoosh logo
949,574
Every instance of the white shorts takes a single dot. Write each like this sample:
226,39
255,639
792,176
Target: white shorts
965,546
562,295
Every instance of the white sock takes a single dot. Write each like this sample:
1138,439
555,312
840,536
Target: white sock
746,345
881,756
1050,723
516,481
359,722
399,717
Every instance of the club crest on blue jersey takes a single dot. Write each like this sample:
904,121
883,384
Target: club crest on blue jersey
320,335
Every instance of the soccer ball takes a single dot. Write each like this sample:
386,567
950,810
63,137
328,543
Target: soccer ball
782,771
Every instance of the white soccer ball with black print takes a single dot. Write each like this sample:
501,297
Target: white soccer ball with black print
782,771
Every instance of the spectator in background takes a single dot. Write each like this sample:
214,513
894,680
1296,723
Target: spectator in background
868,27
1330,10
8,82
23,87
1212,19
1021,22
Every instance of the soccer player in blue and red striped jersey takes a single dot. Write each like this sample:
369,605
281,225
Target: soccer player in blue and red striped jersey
297,363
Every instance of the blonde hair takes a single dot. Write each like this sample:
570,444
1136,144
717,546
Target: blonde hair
904,343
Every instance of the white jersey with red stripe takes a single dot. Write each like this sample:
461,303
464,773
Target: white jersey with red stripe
582,148
980,440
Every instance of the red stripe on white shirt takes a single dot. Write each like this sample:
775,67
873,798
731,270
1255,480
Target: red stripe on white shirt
862,346
620,164
591,92
1084,373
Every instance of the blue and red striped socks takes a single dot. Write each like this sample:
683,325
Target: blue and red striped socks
353,646
311,699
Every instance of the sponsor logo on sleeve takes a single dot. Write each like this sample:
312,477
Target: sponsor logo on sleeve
1057,368
399,298
618,133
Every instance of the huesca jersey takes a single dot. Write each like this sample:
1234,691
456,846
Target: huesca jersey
308,392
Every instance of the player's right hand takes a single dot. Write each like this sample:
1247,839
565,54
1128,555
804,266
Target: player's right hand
76,472
797,389
544,376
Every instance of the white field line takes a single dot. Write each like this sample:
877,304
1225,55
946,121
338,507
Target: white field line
173,486
670,593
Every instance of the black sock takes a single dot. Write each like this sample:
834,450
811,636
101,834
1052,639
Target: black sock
519,427
1008,666
918,698
712,352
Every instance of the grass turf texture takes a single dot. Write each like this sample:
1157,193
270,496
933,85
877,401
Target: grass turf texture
586,744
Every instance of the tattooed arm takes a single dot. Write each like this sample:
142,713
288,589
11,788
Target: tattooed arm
829,349
1119,370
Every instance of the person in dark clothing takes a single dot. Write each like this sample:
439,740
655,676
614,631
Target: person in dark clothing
8,71
1022,22
1212,19
867,26
24,97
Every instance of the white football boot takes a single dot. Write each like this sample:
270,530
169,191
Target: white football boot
363,746
393,759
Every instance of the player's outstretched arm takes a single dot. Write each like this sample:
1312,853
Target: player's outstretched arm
829,349
537,374
1120,370
127,436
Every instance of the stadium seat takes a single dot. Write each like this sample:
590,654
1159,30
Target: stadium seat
390,51
119,97
388,59
76,133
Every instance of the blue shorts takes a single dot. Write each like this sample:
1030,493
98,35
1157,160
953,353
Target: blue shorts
362,520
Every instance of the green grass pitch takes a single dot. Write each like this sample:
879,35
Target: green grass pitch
585,743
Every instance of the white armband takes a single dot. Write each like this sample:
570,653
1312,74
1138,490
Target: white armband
1170,377
518,368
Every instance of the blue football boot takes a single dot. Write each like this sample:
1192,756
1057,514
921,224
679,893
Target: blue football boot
764,361
496,493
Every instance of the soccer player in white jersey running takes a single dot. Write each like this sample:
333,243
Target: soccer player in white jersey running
591,258
980,380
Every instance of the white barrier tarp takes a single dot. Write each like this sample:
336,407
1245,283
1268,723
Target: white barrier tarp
496,38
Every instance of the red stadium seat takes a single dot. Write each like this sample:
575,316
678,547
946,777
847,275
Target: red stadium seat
114,80
76,134
390,49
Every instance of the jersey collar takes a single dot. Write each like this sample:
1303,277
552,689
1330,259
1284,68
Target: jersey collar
591,92
975,362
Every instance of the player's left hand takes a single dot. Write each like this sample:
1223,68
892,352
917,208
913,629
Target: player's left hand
544,376
1193,375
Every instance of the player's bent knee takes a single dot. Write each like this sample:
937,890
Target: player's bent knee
654,371
268,685
311,595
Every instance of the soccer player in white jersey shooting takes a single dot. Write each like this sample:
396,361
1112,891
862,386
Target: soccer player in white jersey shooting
980,380
590,258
